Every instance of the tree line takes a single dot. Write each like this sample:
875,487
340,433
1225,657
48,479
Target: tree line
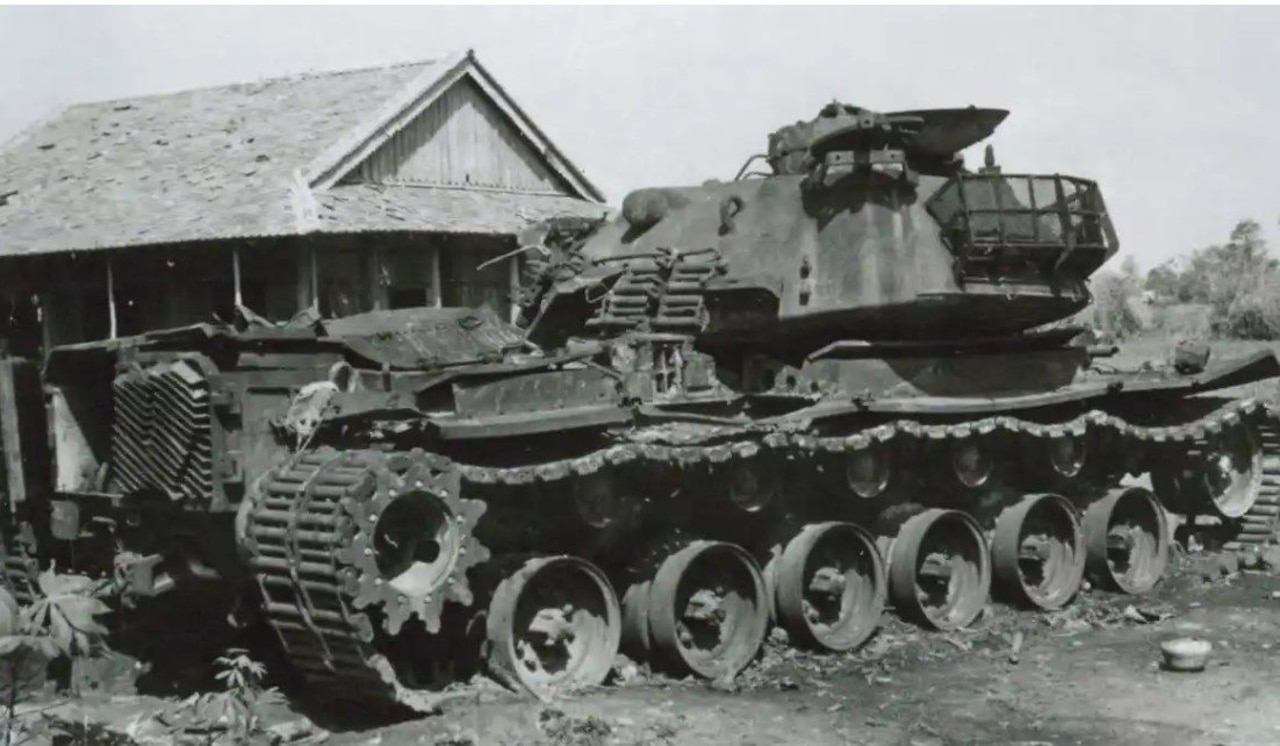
1238,282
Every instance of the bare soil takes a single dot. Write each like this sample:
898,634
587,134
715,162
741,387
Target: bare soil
1087,675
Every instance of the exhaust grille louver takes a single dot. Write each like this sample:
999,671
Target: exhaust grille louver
161,435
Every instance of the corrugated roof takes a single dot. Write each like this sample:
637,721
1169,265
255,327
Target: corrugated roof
226,162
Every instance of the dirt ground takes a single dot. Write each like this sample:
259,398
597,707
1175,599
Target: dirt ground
1089,674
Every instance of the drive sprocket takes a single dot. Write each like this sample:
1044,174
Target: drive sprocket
346,547
413,542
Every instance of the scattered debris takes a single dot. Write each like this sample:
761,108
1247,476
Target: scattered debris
1217,567
1146,615
293,731
565,730
1015,648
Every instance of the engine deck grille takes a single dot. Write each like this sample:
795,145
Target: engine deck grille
162,432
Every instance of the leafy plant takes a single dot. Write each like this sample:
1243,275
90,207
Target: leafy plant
66,611
60,622
237,710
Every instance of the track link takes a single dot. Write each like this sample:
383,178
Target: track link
304,518
691,446
301,524
1261,524
296,525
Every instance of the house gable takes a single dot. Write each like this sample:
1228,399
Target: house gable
447,114
461,140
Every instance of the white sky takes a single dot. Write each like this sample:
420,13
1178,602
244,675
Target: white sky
1173,110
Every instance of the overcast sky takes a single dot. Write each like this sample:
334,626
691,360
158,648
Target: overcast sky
1173,110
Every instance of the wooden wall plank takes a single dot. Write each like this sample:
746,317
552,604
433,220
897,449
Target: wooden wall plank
461,140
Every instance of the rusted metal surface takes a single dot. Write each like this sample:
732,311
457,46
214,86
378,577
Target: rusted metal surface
852,228
420,338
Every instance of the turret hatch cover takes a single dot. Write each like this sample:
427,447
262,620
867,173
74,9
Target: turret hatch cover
948,131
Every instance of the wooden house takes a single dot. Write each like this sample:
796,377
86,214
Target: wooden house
350,191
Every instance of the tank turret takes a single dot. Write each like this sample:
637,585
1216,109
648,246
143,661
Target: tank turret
866,225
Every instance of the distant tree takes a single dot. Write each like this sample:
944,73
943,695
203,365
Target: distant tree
1238,279
1114,293
1165,281
1129,270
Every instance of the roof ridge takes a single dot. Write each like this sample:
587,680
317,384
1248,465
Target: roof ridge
290,77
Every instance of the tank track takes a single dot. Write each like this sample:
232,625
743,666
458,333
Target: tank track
302,520
303,528
691,445
1261,524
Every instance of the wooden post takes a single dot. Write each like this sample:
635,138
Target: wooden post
513,287
111,301
379,294
235,273
314,276
307,282
437,292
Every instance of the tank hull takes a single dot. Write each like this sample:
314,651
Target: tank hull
599,471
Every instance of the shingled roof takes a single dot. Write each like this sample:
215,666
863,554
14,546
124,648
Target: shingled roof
253,159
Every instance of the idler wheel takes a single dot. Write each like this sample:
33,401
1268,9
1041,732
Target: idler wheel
1068,455
830,587
554,623
1222,474
708,612
1038,553
869,471
940,569
1127,535
972,462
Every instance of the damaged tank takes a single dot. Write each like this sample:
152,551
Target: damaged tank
843,382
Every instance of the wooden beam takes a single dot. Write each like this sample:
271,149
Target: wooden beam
112,328
378,290
10,434
513,287
235,273
307,282
436,291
